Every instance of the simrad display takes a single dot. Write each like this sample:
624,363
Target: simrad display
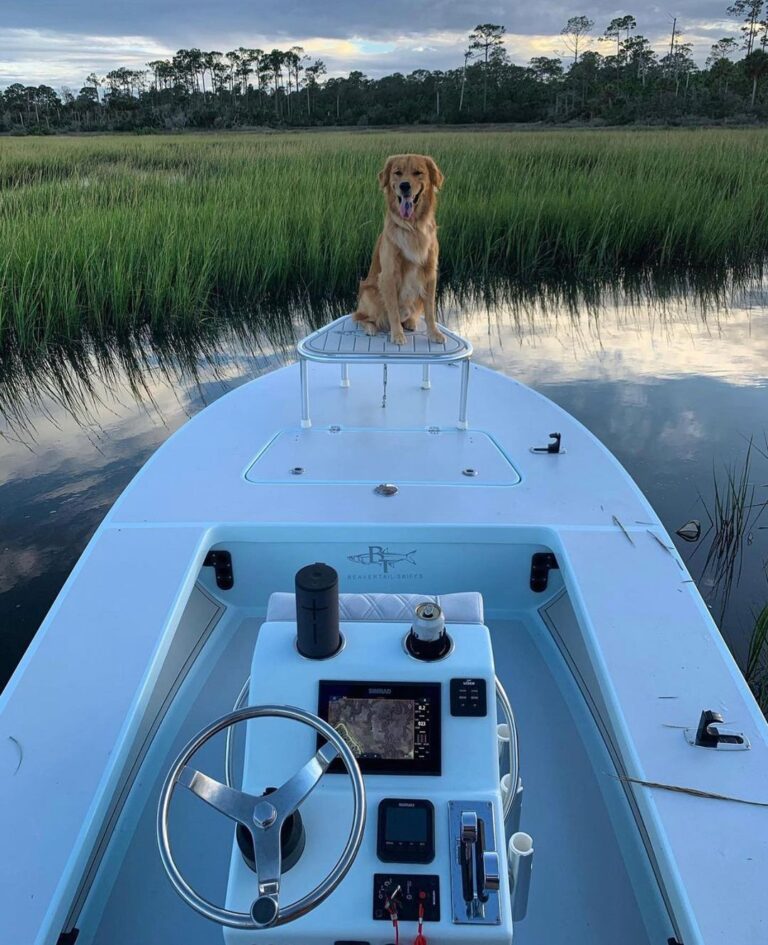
392,728
406,830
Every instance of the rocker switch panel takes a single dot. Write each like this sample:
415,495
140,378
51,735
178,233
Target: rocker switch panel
468,697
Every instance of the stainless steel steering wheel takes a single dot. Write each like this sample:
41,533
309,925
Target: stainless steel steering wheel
263,818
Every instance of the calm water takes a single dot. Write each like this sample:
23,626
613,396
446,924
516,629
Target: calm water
676,390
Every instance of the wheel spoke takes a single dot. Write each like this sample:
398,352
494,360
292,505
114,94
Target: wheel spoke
296,789
235,804
263,817
266,848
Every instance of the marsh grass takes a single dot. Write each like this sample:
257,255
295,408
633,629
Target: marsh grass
111,233
756,670
737,514
735,511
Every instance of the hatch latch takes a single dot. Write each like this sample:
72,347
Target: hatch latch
713,733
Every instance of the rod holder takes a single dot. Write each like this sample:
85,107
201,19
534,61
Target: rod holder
520,857
502,741
512,819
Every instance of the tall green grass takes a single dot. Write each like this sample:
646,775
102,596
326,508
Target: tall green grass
756,670
735,512
105,233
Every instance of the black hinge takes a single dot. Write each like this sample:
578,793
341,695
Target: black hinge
541,564
221,562
68,938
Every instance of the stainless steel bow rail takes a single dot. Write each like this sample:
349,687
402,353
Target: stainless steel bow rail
345,342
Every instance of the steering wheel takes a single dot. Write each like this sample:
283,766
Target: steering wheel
263,817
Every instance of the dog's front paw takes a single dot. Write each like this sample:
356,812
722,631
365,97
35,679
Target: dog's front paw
397,337
437,336
370,329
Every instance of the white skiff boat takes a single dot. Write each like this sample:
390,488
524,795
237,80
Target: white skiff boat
487,564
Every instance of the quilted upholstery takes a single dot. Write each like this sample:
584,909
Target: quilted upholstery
466,607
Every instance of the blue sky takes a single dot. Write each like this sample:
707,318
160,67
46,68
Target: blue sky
59,42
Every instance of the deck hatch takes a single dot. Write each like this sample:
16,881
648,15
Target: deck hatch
375,456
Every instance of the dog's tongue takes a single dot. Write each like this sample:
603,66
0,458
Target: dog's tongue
406,208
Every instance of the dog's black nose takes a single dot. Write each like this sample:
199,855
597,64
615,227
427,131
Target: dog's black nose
405,186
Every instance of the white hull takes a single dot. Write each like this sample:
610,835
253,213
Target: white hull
142,648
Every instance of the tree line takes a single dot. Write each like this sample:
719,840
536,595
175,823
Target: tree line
613,76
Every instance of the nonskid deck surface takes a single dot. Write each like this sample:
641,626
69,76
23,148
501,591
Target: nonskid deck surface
564,807
346,339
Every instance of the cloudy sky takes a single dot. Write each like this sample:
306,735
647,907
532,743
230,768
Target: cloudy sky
58,42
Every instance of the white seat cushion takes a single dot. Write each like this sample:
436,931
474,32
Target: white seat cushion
465,607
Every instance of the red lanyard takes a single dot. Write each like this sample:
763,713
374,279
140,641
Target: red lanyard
420,937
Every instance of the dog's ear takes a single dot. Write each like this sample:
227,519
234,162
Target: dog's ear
384,173
435,174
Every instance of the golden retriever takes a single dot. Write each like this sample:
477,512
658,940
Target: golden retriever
402,280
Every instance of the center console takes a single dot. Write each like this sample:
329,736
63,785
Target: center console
424,734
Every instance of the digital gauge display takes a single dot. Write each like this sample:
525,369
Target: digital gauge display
406,831
392,728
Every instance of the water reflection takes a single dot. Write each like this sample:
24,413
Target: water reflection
674,384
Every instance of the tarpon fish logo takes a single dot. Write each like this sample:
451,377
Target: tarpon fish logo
385,558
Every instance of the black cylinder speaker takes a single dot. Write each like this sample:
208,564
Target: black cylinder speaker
317,611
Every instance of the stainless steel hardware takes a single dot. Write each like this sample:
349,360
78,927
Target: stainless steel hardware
491,871
712,732
263,819
723,738
344,342
475,879
468,826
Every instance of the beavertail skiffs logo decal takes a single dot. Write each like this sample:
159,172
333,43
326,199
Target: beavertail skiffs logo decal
383,558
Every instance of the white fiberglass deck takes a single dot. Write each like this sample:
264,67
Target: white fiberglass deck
447,457
114,654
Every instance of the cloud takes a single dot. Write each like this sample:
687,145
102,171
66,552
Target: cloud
44,56
61,43
625,343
